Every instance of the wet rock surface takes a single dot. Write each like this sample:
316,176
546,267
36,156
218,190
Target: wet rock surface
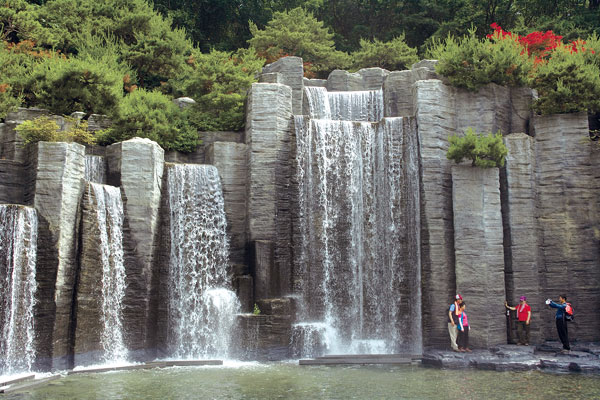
584,357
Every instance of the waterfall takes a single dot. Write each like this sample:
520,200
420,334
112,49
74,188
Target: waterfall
202,306
109,213
365,105
359,255
18,253
95,169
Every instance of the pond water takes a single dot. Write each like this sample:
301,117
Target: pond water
290,381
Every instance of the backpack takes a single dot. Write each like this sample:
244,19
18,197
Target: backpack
569,312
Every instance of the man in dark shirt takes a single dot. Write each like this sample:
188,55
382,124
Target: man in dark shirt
561,322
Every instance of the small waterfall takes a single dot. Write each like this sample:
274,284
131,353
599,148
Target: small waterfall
202,306
109,208
95,169
365,105
18,253
359,256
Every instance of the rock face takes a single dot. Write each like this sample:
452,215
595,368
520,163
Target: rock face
291,74
58,188
136,166
479,252
268,130
522,260
567,190
230,160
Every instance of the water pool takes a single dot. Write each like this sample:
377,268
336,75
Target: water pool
290,381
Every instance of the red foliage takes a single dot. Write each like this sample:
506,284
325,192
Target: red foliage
537,44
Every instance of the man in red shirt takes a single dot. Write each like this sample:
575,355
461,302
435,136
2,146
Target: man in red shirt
524,317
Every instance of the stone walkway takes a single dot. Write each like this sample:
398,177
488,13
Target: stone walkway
582,358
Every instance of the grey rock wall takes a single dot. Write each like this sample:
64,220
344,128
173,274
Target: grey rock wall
137,166
230,160
479,252
567,188
58,189
268,131
291,73
521,232
88,306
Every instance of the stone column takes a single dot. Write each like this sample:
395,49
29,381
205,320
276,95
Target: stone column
291,71
398,94
568,188
521,232
434,109
479,252
268,131
58,188
230,160
136,166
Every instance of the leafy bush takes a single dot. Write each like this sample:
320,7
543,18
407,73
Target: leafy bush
67,85
394,55
218,82
154,116
298,33
45,129
566,83
470,62
8,103
484,151
19,21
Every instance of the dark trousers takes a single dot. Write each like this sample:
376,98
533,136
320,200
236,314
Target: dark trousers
563,333
523,332
463,338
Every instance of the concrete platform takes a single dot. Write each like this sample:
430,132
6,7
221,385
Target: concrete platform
24,385
16,380
363,359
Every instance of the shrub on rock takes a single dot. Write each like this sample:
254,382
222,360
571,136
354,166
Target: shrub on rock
485,151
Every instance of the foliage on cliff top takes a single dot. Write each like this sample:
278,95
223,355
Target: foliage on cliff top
471,62
394,55
152,115
218,82
298,33
485,151
45,129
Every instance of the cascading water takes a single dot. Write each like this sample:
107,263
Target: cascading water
359,223
202,306
18,254
109,213
95,169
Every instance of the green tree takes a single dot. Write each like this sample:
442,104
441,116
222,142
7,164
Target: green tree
19,21
393,55
67,85
298,33
485,151
471,62
218,82
568,82
151,114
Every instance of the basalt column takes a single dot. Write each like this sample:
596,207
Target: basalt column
521,233
136,166
58,188
268,130
479,251
567,187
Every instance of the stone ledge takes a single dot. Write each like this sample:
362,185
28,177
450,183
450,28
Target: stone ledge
518,358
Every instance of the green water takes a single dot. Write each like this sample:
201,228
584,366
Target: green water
290,381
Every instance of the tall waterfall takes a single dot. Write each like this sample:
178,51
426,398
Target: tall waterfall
202,306
109,212
95,169
359,223
18,254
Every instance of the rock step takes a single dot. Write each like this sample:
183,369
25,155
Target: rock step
357,361
28,384
153,364
379,356
15,380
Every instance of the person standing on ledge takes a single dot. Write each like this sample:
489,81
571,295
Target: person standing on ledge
561,321
453,312
463,329
524,318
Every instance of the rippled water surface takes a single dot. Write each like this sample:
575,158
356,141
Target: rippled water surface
290,381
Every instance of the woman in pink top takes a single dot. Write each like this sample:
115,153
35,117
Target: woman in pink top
463,330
